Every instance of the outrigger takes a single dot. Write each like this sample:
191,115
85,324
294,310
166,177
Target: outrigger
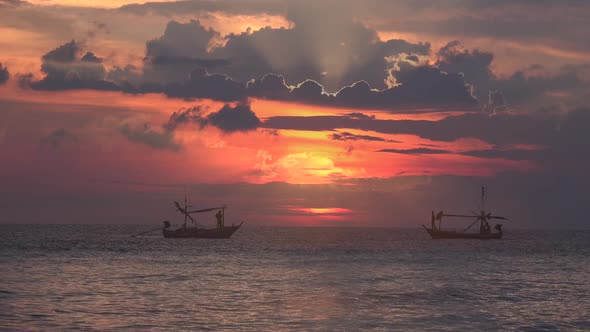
485,231
197,230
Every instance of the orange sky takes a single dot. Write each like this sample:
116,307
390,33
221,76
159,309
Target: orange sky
210,155
101,141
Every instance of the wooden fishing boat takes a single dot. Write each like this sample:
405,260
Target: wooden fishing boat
195,229
204,233
440,234
485,231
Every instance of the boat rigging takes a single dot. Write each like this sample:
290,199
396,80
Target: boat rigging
196,229
483,218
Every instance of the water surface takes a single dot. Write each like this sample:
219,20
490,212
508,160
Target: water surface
100,277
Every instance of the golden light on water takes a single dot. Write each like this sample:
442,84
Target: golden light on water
324,211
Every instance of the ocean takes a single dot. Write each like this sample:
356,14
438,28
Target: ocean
101,278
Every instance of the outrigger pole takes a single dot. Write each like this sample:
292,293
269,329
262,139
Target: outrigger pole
151,230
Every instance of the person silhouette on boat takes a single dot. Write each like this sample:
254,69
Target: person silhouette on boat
485,228
219,217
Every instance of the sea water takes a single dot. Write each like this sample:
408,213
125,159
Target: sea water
102,278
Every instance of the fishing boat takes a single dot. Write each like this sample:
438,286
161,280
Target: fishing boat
483,218
195,229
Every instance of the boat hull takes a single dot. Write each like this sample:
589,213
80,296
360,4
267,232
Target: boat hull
438,234
201,233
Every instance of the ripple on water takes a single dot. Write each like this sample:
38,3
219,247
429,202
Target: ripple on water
100,278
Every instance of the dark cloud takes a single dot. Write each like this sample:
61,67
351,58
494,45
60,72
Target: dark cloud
310,91
500,129
65,53
189,39
229,118
163,60
561,26
65,69
560,139
496,102
91,57
182,48
129,78
511,154
530,87
201,84
157,139
313,59
567,86
333,55
356,115
193,115
416,151
4,74
236,118
270,86
346,136
419,87
474,65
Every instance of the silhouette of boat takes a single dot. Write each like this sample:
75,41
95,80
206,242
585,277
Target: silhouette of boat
196,230
485,231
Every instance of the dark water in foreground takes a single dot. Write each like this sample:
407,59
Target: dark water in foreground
69,277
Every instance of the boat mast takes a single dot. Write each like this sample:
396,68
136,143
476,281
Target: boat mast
483,192
185,209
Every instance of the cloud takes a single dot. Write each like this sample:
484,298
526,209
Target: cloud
4,74
496,102
57,138
270,86
333,55
228,118
340,55
510,154
201,84
145,134
418,87
66,69
193,115
12,3
499,129
236,118
474,65
182,48
526,88
348,57
357,115
415,151
495,153
246,7
346,136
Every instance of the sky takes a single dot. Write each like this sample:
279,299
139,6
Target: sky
295,113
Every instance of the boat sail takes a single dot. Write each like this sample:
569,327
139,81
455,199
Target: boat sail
196,230
483,218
